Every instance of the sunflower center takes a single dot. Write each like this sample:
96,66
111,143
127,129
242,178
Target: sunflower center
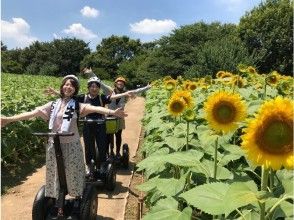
224,112
276,137
177,107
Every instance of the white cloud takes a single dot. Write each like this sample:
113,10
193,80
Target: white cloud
79,31
56,36
16,33
89,12
152,26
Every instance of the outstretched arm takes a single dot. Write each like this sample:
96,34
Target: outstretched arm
117,96
101,110
136,91
19,117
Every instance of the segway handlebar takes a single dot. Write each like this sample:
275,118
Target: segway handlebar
53,134
90,120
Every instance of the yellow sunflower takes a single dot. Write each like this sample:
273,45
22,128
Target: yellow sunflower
226,75
193,86
186,84
170,84
251,70
268,139
224,110
220,73
238,81
273,78
186,96
176,106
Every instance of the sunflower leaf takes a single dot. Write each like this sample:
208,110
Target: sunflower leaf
165,204
188,158
175,143
220,198
171,214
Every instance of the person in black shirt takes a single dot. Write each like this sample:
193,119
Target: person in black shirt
96,132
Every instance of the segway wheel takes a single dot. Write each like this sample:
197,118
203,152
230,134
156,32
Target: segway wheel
42,205
89,203
110,179
125,156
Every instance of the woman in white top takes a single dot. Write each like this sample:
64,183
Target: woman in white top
62,116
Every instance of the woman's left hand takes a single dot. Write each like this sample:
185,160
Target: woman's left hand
119,112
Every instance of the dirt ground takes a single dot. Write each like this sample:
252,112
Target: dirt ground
17,203
135,208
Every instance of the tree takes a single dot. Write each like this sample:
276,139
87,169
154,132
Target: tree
111,53
267,31
3,47
197,49
59,57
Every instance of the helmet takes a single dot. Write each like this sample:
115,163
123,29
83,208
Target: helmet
72,77
120,79
94,79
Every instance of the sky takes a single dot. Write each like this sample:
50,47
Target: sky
25,21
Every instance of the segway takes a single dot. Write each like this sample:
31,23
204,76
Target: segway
112,126
45,208
106,176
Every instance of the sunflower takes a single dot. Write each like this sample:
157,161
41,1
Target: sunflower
170,84
251,69
268,139
193,86
224,110
176,106
238,81
226,75
273,78
186,96
190,115
186,84
220,73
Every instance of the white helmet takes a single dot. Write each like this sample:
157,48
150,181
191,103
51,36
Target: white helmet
72,77
94,79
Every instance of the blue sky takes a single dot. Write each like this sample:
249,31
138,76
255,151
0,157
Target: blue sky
24,21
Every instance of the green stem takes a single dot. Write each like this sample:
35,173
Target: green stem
272,173
276,204
187,137
264,91
264,180
215,158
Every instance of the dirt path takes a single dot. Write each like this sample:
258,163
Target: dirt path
17,203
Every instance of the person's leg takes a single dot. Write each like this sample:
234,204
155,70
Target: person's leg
89,143
110,138
118,140
101,141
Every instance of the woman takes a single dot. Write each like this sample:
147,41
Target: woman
62,115
94,132
119,88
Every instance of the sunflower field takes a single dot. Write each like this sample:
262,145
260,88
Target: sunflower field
21,93
219,148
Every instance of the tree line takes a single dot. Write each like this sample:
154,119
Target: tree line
263,39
